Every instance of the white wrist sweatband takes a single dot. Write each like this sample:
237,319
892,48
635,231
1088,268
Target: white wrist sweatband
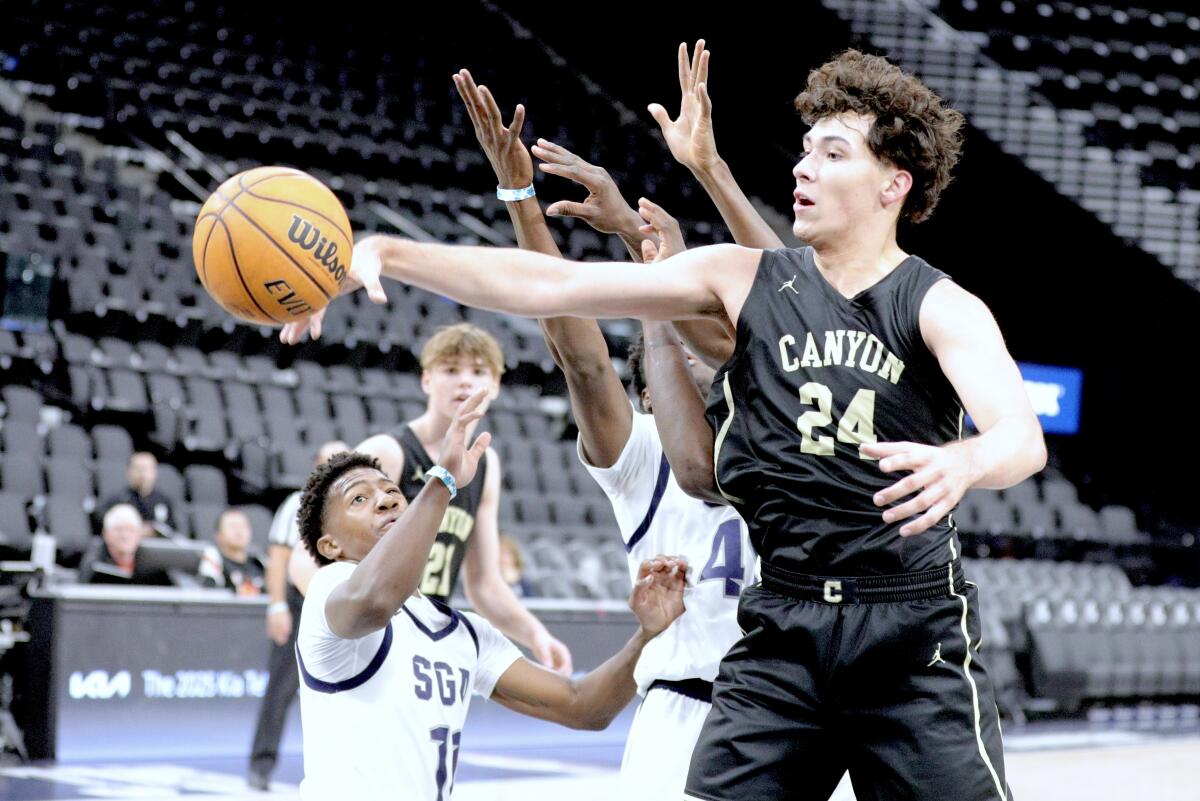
278,606
513,195
443,475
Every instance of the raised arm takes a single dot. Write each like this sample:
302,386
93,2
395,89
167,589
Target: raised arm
389,573
591,702
961,332
605,210
598,400
690,140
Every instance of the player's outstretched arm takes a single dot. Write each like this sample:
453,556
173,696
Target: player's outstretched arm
690,139
591,702
598,400
961,332
703,282
389,573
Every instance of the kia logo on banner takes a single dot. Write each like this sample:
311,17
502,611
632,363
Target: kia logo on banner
98,685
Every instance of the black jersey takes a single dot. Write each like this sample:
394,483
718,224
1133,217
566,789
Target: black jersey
812,377
446,555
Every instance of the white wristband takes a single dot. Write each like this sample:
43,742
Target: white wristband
513,195
278,606
442,474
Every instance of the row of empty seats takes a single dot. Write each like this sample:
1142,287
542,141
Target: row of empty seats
1108,117
1093,648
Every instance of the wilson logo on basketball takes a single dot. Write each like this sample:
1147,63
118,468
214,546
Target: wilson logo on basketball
309,238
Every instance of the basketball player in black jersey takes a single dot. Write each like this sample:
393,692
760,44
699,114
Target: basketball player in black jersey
456,361
838,437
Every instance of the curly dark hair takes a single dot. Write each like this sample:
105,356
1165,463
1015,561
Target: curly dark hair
636,359
911,127
311,516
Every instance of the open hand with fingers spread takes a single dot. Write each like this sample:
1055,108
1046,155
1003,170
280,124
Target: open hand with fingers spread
664,227
690,135
604,208
938,477
501,143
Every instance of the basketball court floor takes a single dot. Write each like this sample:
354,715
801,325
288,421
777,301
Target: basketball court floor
1132,755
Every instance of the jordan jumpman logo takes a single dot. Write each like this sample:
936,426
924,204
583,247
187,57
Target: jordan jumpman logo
790,285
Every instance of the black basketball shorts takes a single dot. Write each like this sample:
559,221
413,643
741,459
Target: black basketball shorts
877,676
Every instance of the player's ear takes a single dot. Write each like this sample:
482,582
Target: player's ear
896,187
425,381
328,547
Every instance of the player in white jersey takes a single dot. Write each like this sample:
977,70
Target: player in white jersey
387,674
624,453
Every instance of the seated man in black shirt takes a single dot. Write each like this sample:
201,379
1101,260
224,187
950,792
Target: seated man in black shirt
114,549
141,494
243,571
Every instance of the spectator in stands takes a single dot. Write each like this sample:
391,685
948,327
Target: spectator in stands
241,570
111,554
512,568
141,494
282,615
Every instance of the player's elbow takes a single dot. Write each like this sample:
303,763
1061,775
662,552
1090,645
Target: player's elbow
695,478
696,481
1035,451
585,711
587,371
592,719
597,723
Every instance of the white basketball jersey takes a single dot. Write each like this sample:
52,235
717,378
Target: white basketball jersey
382,715
657,517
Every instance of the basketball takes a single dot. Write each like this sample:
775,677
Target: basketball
272,245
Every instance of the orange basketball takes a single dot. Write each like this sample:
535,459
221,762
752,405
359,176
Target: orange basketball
272,245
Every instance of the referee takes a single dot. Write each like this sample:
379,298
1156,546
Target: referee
282,615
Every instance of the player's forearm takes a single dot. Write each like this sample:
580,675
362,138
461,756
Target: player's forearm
535,285
276,572
1009,452
530,226
685,433
574,343
748,227
500,279
600,696
390,573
